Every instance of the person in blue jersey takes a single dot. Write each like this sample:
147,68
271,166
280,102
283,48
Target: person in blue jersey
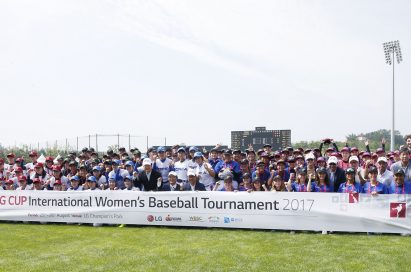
373,186
350,186
246,184
75,184
261,173
128,184
278,184
322,181
118,173
181,166
302,183
213,158
399,186
229,163
163,164
403,164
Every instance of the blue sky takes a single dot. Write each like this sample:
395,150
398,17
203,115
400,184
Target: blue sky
195,70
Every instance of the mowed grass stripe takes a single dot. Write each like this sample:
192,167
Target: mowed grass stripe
59,247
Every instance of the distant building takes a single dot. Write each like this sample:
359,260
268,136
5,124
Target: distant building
278,139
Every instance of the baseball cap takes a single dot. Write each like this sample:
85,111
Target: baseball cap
382,159
379,150
198,155
39,164
36,180
350,171
128,177
10,155
97,168
129,163
193,149
76,178
366,154
49,158
56,168
146,161
399,172
372,169
310,156
57,182
172,173
345,149
332,159
161,149
111,176
181,149
191,172
353,158
320,159
33,153
22,178
354,149
92,179
18,169
322,170
116,162
280,161
10,181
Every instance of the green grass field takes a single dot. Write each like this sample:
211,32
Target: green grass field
56,247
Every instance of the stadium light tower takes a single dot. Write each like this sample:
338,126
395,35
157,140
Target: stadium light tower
392,48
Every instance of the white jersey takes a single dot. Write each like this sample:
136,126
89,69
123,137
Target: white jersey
80,188
204,176
163,167
64,180
181,167
132,189
192,165
95,189
102,180
28,187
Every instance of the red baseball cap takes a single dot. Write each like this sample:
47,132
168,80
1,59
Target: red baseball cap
18,169
22,178
36,180
57,182
33,153
56,168
49,158
11,155
39,164
10,181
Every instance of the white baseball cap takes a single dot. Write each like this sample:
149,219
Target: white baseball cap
191,172
332,159
172,173
146,161
353,158
310,156
384,159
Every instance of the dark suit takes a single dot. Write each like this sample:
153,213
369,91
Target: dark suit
198,187
167,187
339,177
149,185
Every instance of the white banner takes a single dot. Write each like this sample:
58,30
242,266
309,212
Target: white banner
257,210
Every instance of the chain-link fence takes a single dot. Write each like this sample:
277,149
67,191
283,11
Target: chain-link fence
100,142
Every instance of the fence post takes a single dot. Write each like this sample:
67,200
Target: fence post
118,140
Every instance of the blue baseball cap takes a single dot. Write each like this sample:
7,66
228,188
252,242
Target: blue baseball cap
128,177
181,149
112,176
92,179
116,162
129,163
96,168
193,148
161,149
75,178
198,155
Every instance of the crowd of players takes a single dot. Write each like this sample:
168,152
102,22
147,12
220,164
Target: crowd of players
176,168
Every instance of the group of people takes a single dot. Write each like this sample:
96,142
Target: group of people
178,168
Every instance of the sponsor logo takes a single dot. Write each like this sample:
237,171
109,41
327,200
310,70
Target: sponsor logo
195,219
214,219
228,220
151,218
170,218
353,197
398,209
